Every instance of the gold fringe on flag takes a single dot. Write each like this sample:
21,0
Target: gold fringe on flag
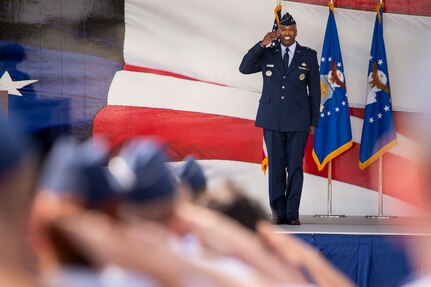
264,165
332,7
278,8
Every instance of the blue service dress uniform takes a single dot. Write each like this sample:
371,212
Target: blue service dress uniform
289,105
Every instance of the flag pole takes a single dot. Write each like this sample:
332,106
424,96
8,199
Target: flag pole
329,213
380,200
329,188
380,184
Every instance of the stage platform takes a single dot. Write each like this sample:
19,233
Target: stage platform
371,251
357,225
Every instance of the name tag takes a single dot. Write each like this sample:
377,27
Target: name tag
270,65
302,68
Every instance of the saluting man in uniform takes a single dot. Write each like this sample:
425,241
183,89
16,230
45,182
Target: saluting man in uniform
288,111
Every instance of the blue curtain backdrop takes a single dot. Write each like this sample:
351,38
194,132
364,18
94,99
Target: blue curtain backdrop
369,260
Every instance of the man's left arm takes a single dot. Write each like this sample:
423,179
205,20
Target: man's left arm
314,90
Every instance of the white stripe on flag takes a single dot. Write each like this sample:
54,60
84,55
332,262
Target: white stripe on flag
149,90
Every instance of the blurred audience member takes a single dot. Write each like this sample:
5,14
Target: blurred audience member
122,218
153,197
421,253
233,202
192,177
17,178
222,235
143,184
75,179
141,248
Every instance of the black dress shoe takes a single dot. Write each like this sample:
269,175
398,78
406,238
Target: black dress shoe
280,221
293,222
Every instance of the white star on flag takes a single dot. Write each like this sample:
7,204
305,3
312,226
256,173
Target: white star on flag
7,84
379,115
337,109
323,59
371,57
329,59
339,64
322,115
380,62
371,120
386,108
343,103
329,113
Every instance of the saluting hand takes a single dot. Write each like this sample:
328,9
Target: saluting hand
271,36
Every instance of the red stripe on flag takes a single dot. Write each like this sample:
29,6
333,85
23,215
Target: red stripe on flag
165,73
226,138
418,7
204,135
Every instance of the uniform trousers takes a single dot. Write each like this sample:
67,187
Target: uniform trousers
285,171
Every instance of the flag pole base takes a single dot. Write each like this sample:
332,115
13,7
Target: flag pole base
328,216
381,217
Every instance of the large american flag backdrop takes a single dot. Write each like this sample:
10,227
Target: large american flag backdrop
180,82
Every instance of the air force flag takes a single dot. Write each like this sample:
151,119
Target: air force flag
334,134
378,132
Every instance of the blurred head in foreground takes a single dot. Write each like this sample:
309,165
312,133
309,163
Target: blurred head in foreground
233,202
142,182
191,177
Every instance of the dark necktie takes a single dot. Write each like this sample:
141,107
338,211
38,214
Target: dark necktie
286,59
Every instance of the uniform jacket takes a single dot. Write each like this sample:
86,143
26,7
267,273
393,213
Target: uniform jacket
290,99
